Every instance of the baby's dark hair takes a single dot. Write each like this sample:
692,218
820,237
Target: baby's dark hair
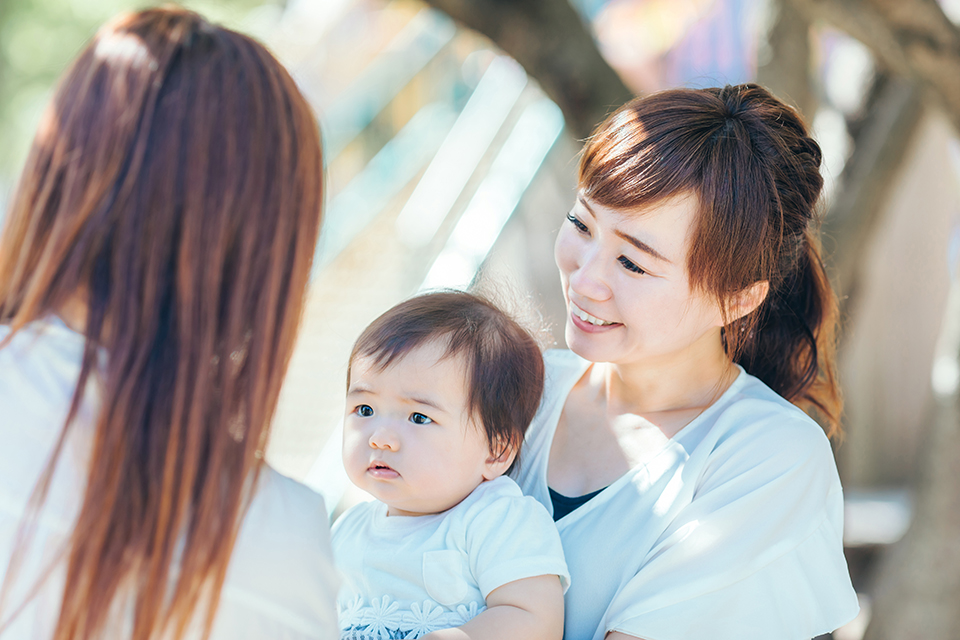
504,364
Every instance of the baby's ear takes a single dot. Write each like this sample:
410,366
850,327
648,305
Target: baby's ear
497,465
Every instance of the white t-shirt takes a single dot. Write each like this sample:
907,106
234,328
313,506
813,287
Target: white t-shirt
280,582
405,576
732,531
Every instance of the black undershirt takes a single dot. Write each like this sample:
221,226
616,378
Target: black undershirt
562,505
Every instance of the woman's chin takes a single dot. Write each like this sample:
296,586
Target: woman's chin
595,348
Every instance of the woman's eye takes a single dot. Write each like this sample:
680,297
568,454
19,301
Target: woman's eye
629,265
419,418
582,228
364,410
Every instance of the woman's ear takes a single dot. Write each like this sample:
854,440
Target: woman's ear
497,465
747,300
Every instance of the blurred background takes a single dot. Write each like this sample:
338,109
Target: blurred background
451,131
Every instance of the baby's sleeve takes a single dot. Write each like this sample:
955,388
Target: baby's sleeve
509,536
757,553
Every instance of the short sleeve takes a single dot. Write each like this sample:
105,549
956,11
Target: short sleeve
510,537
757,553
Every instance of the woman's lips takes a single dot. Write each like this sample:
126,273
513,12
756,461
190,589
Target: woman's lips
586,327
382,471
589,323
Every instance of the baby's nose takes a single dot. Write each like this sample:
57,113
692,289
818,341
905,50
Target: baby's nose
384,438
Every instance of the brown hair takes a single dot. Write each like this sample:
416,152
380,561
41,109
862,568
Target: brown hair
174,185
755,171
504,364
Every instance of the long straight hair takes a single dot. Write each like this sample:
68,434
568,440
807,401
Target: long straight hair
174,188
755,171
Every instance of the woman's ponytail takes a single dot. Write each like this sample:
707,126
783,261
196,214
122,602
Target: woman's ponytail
791,345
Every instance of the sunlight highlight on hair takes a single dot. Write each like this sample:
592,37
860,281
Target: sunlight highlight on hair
126,49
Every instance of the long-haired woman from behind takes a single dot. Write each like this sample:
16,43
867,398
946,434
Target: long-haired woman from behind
694,498
152,272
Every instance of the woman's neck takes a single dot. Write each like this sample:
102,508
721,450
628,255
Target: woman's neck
693,379
74,313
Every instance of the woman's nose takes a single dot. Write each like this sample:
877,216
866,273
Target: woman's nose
589,279
384,438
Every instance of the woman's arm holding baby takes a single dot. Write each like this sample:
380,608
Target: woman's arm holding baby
527,609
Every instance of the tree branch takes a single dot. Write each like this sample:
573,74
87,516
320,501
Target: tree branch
913,38
550,41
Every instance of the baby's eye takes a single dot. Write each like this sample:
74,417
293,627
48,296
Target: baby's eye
582,228
363,410
629,265
419,418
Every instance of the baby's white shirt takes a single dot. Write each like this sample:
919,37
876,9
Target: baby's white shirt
405,576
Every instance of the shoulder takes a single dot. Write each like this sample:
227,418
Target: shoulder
497,502
39,369
284,536
509,536
758,431
281,573
41,361
502,489
353,520
285,512
758,413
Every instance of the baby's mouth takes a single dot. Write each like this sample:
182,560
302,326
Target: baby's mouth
382,470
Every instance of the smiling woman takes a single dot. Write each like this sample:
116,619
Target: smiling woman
629,301
693,497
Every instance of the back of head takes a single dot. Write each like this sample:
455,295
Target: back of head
503,361
755,171
174,191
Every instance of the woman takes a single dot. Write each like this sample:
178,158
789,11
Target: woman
693,499
152,273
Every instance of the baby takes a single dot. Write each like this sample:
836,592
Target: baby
441,389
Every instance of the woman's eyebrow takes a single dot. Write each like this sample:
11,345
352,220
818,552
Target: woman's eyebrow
643,246
639,244
583,202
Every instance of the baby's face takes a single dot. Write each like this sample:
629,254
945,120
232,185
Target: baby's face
408,436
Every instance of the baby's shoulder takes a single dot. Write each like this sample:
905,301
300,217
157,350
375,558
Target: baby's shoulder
355,519
497,502
500,488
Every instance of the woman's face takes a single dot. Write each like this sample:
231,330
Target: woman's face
625,281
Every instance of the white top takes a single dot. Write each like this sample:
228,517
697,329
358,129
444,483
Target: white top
405,576
280,582
732,531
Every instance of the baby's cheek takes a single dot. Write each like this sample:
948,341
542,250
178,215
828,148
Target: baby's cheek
352,449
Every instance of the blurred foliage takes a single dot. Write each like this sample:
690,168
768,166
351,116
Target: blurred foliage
39,38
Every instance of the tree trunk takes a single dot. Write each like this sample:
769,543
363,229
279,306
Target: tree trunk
552,43
918,590
785,67
892,116
912,38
